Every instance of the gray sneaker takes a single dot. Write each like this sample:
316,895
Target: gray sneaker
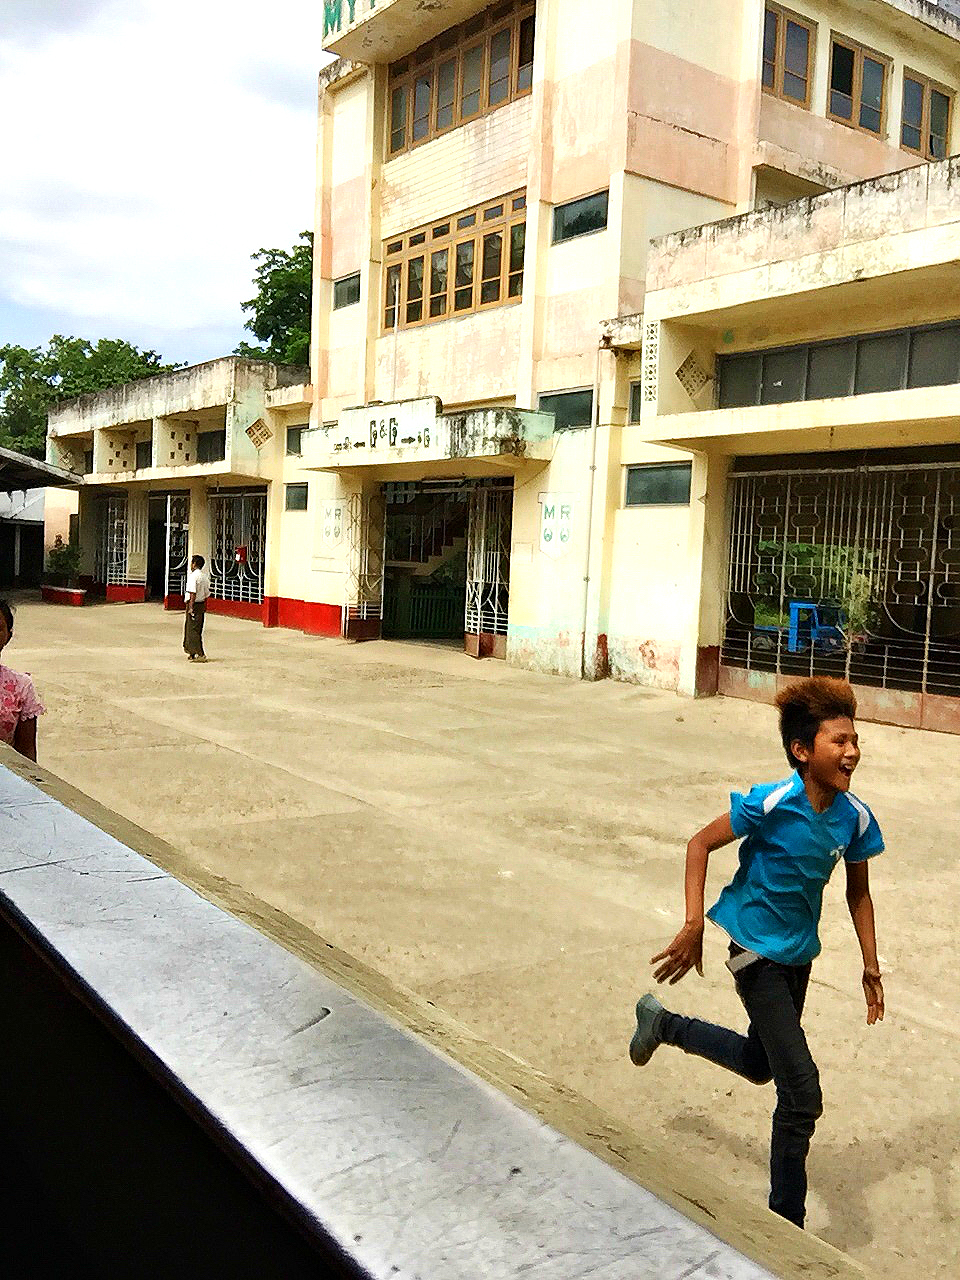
646,1037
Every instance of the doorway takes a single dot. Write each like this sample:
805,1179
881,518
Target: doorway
167,532
446,562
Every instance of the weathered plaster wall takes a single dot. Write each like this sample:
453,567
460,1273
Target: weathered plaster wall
484,159
463,361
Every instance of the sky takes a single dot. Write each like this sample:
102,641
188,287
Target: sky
149,148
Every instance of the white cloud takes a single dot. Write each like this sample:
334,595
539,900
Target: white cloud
149,149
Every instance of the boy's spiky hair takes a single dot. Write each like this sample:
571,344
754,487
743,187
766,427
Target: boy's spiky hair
805,704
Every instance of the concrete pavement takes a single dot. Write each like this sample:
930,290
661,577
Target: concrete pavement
509,847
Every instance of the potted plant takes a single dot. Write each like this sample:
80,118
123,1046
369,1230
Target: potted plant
61,580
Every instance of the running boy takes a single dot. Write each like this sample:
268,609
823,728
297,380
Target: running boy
794,833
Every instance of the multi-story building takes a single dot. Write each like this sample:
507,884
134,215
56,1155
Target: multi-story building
206,460
496,349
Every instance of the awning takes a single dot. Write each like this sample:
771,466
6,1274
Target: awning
18,471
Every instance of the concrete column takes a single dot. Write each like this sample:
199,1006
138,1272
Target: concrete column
138,506
199,536
273,551
539,206
322,258
371,278
606,500
706,576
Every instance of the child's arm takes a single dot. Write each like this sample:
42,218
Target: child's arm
861,912
685,952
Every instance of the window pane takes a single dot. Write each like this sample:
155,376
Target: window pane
472,81
871,95
144,454
414,290
580,217
739,381
499,67
841,82
636,400
438,282
831,371
525,69
911,137
211,446
296,495
939,123
392,296
398,119
882,363
770,24
463,277
421,108
468,220
495,211
295,441
660,485
491,267
446,91
935,358
346,291
784,376
569,408
912,102
518,236
797,49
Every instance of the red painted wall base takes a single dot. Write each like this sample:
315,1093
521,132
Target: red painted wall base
236,609
309,616
173,602
63,595
126,595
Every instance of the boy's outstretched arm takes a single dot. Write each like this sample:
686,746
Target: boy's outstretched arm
861,912
685,952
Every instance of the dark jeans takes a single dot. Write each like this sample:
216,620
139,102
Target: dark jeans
773,1048
193,630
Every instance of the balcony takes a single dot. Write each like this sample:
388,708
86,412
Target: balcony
416,438
209,421
384,30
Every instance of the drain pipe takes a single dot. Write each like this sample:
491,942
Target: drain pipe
602,345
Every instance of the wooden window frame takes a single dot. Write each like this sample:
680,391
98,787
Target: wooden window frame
780,56
859,52
451,237
453,45
928,86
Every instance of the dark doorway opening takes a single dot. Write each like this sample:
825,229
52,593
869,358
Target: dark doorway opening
425,562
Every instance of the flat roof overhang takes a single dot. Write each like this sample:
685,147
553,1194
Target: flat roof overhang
172,477
19,472
384,30
881,420
416,439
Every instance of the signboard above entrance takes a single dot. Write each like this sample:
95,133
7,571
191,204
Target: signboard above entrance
413,431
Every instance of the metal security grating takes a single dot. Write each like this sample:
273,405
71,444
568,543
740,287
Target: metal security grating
851,572
488,561
238,525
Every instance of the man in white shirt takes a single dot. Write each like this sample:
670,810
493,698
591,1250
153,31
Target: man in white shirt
196,591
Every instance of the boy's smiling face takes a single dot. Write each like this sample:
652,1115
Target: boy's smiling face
835,753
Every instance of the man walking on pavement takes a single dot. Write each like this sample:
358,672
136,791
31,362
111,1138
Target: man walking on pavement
196,591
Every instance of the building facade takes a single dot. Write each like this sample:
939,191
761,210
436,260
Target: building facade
513,398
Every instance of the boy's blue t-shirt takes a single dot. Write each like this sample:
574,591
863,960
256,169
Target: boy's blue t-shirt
772,906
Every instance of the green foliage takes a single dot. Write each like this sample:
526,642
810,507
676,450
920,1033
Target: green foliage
34,378
841,573
63,559
281,309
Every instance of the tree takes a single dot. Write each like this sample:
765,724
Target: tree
34,378
281,309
